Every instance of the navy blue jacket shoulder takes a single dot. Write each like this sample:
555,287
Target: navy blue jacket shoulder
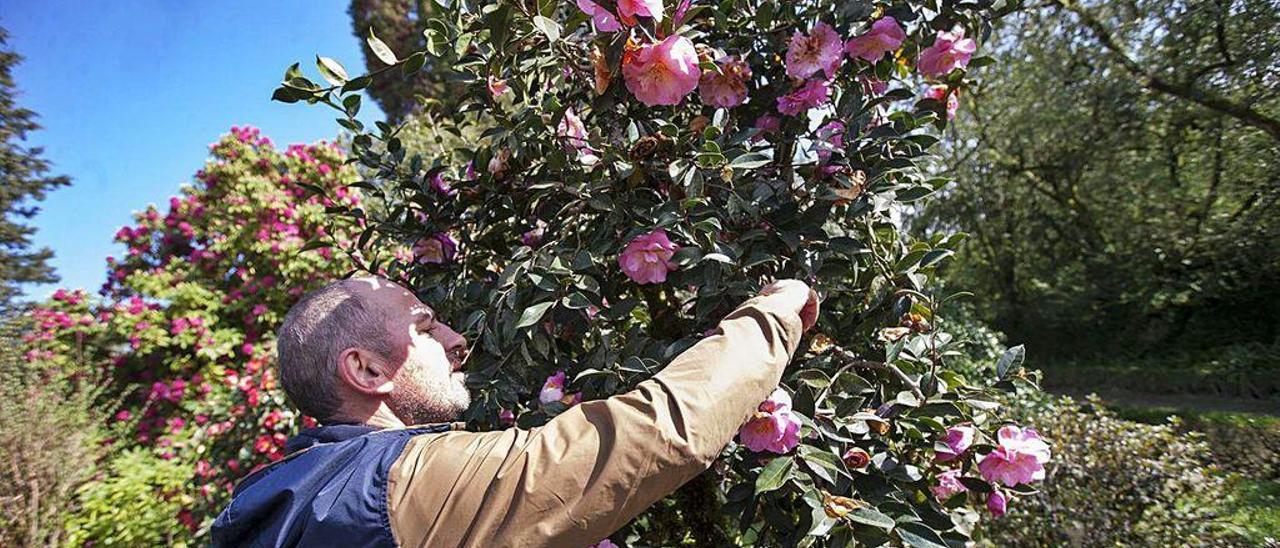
330,491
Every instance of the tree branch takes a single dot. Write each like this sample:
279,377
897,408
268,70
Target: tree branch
1154,81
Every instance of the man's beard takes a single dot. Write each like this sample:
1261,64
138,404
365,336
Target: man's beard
417,400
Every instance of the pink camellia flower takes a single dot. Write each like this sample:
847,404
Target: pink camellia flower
997,503
950,51
773,427
728,88
766,124
662,73
628,10
507,417
1019,457
497,87
943,94
948,485
438,248
606,543
553,388
957,439
603,20
572,130
441,185
534,236
885,36
820,50
831,136
647,258
872,86
812,94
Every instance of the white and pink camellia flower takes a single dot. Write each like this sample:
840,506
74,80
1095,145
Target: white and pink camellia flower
497,87
948,485
438,248
572,131
997,503
950,51
553,388
647,258
957,439
662,73
606,543
1019,457
813,93
820,50
885,36
727,88
944,94
628,10
553,391
773,428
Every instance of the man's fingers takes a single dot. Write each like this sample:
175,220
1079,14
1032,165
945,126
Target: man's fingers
809,312
798,296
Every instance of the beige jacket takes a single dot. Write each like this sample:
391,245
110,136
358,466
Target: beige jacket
591,469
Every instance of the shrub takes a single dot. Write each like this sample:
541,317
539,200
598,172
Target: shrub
134,503
1115,482
575,142
52,433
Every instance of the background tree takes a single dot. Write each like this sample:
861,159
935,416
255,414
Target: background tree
184,333
585,216
399,23
1110,211
23,179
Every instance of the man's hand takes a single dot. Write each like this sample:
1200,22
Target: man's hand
797,296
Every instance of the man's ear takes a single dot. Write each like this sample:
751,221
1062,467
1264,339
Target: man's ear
364,372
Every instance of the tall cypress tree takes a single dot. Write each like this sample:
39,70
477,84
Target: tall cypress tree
24,179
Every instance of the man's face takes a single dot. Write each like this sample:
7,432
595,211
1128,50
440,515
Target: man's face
428,356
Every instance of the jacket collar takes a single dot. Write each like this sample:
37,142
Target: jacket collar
329,433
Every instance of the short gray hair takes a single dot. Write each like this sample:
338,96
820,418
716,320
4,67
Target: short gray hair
323,324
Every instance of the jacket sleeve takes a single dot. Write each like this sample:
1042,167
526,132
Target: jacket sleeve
584,474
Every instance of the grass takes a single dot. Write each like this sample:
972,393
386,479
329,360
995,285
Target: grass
1253,506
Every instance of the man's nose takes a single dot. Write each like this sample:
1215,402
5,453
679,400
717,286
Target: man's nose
455,345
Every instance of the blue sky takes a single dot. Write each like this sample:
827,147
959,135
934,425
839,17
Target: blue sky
130,94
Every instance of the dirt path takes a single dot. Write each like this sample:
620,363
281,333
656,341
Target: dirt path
1179,401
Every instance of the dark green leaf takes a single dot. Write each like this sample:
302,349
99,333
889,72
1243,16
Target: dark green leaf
532,314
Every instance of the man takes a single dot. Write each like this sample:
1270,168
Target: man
366,358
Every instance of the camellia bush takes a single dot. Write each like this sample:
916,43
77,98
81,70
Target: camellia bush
184,333
615,178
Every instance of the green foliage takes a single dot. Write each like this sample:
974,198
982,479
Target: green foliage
52,435
1115,482
1109,215
134,504
23,179
744,206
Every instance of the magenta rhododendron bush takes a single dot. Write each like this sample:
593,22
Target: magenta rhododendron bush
185,325
622,175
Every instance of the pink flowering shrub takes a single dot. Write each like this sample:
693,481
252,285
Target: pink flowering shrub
184,327
651,166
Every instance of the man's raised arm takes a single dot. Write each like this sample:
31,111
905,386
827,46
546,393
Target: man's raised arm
588,471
